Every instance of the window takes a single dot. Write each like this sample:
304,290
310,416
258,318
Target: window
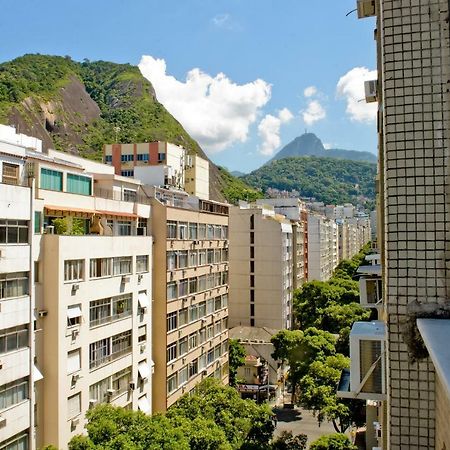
201,310
10,173
183,375
74,361
217,303
171,260
142,157
124,227
182,230
51,179
37,222
193,258
171,290
161,157
13,284
217,231
252,309
129,195
172,321
210,256
182,346
210,356
209,332
201,286
127,158
73,269
99,311
182,317
225,300
120,381
122,265
127,173
13,231
217,327
193,313
193,368
172,383
100,267
252,252
109,349
183,288
121,343
224,347
17,442
182,259
13,393
73,315
97,391
217,351
78,184
192,285
108,158
201,230
210,306
224,232
193,340
171,352
141,263
12,339
217,256
202,336
142,334
202,257
252,266
202,362
171,229
192,230
210,230
74,405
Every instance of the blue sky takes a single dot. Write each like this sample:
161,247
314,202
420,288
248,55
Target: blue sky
234,72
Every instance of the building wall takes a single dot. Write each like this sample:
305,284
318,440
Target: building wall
442,416
163,306
414,74
268,302
197,177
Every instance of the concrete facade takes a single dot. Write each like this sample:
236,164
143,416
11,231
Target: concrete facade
197,177
261,265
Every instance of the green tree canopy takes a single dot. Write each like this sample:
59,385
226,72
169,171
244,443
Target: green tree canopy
335,441
236,359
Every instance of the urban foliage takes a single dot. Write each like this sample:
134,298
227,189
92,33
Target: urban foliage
335,441
236,359
316,357
328,180
214,418
288,441
235,189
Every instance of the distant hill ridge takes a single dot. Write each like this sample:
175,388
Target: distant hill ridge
308,144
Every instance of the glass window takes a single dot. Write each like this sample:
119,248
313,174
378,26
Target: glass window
74,361
182,230
217,231
193,258
182,346
171,229
201,310
10,173
182,317
73,269
210,230
171,260
141,263
97,391
12,339
127,173
182,259
17,442
172,321
13,284
210,306
74,315
51,179
13,393
108,158
210,356
183,375
172,383
201,231
127,158
202,361
193,313
37,222
142,156
183,288
202,336
124,227
192,285
78,184
193,368
193,339
129,195
202,257
13,231
122,265
201,283
120,381
210,256
217,303
192,231
171,352
74,405
100,267
171,290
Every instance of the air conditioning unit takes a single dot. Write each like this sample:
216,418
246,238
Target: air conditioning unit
75,378
125,279
75,333
92,402
365,8
2,422
75,422
142,348
110,392
367,355
132,385
75,287
370,292
370,89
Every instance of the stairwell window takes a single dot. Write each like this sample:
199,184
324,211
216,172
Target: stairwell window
74,270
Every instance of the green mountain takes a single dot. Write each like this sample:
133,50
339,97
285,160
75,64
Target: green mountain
77,107
308,144
328,180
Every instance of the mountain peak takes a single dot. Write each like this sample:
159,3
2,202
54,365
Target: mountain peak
308,144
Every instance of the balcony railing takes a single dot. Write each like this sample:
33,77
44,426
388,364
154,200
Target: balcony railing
108,358
122,196
109,319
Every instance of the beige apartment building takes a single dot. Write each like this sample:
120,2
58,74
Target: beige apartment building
261,265
190,309
409,359
160,164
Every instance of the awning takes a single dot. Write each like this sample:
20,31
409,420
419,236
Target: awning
37,375
73,311
69,209
117,214
144,405
144,370
143,300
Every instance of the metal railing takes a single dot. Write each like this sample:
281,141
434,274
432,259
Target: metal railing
123,196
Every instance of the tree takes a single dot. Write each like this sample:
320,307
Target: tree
236,359
332,442
287,441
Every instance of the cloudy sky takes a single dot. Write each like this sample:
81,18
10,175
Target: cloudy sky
244,77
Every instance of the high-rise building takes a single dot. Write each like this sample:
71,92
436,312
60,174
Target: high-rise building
190,309
261,265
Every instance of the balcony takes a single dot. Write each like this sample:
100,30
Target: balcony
122,196
95,364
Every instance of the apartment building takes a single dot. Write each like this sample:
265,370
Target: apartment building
18,372
409,357
190,310
160,164
323,247
261,265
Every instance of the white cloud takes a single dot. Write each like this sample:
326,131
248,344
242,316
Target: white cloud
223,21
313,112
351,87
269,131
327,145
310,91
214,110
